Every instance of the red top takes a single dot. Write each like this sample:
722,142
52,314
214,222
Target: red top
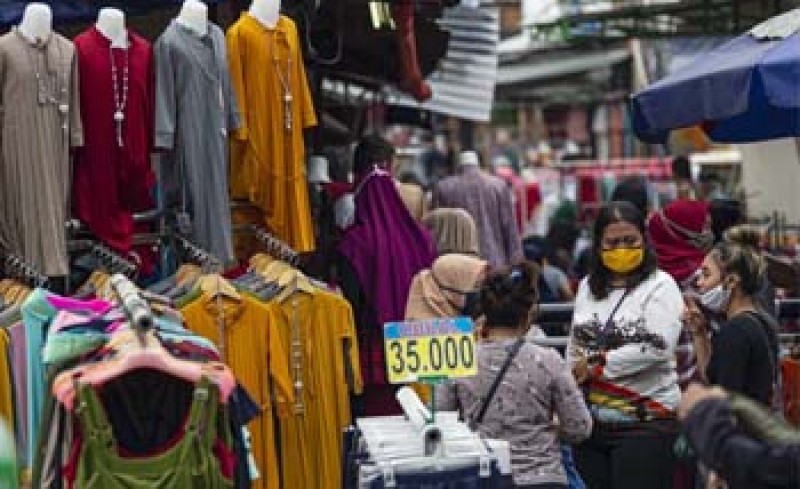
110,183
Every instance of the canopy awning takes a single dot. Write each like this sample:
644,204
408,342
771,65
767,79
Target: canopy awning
554,67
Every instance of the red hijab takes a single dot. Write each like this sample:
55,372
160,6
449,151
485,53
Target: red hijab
681,237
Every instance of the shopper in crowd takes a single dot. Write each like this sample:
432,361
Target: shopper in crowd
633,190
519,386
681,236
447,288
725,214
453,231
554,284
380,254
488,200
375,151
742,354
741,441
682,176
622,345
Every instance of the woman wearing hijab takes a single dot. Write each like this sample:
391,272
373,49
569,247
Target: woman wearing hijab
380,254
446,288
681,235
453,231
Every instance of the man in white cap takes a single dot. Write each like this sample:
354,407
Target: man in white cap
488,200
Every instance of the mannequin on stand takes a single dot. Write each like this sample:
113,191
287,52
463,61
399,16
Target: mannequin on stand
194,15
267,12
111,23
37,22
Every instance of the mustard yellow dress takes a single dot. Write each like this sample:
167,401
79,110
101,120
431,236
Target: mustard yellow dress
318,333
252,349
267,158
6,399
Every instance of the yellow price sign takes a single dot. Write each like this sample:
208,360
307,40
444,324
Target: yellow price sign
430,350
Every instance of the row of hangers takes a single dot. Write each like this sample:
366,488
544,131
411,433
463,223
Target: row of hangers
279,265
20,278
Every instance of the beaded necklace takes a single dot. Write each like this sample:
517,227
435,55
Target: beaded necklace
54,95
120,95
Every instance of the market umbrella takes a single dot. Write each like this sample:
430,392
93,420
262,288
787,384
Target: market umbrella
746,90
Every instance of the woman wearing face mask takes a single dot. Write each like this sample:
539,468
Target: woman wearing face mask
741,355
446,289
622,349
519,386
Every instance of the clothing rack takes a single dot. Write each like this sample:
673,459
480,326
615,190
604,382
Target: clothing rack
275,246
108,258
198,255
135,307
17,267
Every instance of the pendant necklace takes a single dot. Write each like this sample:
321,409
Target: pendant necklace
285,85
120,99
48,95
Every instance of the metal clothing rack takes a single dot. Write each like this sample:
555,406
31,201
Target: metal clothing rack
198,255
108,258
274,246
17,267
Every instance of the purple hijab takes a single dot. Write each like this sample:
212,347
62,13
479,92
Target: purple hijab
385,246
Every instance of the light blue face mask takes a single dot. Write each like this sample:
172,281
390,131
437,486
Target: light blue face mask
716,299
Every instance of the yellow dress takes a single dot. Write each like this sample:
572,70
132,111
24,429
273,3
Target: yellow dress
6,400
268,160
254,353
318,328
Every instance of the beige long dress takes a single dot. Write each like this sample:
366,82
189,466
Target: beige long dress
39,122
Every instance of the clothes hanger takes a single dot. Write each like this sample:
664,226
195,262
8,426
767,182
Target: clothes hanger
132,356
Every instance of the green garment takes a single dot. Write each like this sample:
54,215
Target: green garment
762,423
190,463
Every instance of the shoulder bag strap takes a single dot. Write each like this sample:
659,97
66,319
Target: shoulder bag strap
487,400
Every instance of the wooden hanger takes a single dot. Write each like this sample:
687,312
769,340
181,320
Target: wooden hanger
215,285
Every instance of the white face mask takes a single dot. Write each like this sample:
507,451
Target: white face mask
716,299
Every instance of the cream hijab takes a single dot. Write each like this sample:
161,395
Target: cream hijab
453,231
440,291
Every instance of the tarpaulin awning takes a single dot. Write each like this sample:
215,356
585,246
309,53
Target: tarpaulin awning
463,83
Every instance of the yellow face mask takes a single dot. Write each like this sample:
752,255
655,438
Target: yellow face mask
623,260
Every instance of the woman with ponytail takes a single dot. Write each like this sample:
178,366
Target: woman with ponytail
519,386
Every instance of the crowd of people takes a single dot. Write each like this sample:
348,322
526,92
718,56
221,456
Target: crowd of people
670,374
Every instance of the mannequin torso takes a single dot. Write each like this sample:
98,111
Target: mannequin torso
111,23
194,15
267,12
37,22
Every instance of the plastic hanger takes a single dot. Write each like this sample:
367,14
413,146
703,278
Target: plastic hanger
132,356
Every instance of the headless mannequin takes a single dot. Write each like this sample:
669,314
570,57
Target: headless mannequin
111,23
194,15
267,12
37,22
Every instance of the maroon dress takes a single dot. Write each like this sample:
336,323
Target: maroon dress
110,181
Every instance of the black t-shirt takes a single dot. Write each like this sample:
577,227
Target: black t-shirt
743,357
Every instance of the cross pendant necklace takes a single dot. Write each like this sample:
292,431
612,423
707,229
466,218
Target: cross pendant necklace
120,93
287,88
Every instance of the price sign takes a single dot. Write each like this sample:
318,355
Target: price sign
429,350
